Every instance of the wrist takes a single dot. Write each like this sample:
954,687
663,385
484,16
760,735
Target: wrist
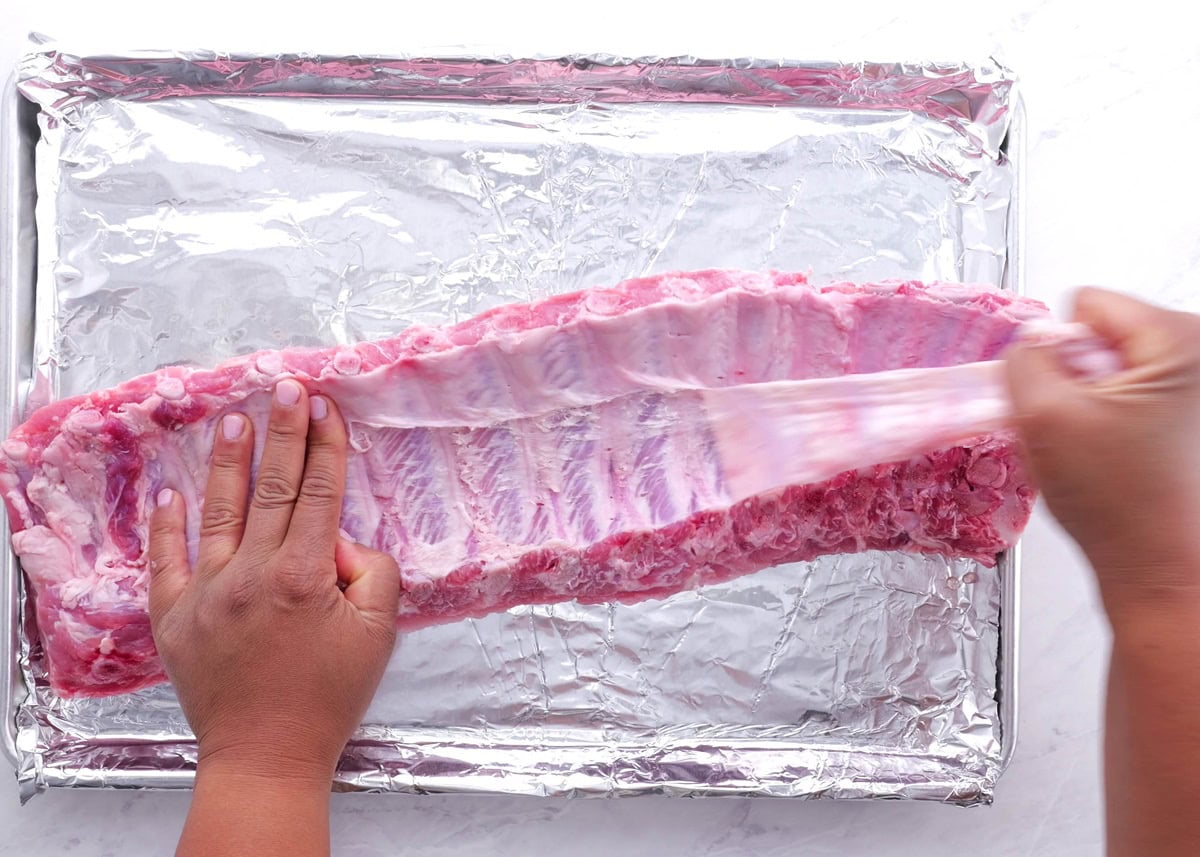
265,767
1147,580
1153,617
243,804
231,778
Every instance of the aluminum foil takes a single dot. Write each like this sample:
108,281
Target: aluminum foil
192,207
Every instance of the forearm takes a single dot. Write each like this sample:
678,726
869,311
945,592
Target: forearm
234,812
1152,739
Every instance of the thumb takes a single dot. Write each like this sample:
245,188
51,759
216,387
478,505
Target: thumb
371,578
169,570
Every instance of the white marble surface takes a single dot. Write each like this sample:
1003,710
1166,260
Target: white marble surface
1112,120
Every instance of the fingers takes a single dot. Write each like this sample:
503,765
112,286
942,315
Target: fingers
280,472
167,553
226,494
372,581
319,507
1038,383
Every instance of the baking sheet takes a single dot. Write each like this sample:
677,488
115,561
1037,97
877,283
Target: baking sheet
195,207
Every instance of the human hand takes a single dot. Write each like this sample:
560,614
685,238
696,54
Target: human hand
1118,459
273,662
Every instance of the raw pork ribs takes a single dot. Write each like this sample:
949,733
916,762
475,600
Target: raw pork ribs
523,456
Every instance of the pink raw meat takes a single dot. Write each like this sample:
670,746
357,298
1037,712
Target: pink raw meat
532,454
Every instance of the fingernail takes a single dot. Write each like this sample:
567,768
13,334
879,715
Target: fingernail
317,408
287,393
164,497
231,427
